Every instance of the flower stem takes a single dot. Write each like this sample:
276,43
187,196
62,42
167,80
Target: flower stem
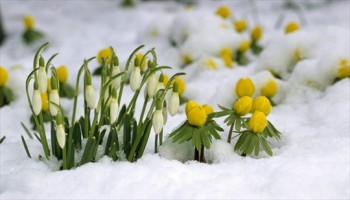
64,157
230,133
156,143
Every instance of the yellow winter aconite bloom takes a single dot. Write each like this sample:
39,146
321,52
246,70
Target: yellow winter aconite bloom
181,85
262,104
269,89
4,76
29,22
256,33
187,59
208,109
48,84
244,46
166,79
190,105
245,87
223,11
243,105
344,69
44,102
226,54
143,65
105,53
291,27
257,123
62,74
240,25
211,63
197,116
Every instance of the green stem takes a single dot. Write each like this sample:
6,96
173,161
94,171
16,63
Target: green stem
230,133
161,138
156,143
143,109
64,157
43,137
76,92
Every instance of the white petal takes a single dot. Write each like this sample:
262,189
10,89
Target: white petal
174,103
117,81
42,80
54,98
152,85
90,96
165,115
157,121
113,110
36,101
135,78
61,135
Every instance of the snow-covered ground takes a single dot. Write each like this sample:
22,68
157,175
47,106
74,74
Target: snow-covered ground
310,162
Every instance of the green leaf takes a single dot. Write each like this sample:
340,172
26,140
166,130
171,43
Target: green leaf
257,148
265,146
205,139
27,131
187,136
89,148
196,139
245,145
145,138
127,135
2,139
240,141
26,147
238,124
252,143
77,135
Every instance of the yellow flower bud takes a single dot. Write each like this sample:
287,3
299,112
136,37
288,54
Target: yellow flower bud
197,116
262,104
211,63
44,102
166,79
226,54
105,53
29,22
244,46
181,85
291,27
143,65
4,76
269,89
240,25
344,69
245,87
243,105
223,11
62,74
208,109
257,123
190,105
187,59
256,33
48,84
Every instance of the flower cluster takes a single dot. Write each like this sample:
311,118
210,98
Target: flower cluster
31,35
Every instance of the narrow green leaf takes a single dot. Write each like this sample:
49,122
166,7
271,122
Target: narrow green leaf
257,148
87,151
265,146
2,139
145,138
238,124
27,131
26,147
205,139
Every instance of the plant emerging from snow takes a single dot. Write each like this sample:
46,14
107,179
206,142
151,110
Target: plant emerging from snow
6,95
30,34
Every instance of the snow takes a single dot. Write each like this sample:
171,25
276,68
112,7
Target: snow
310,162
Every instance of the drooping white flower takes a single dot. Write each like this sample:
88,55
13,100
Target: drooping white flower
36,102
157,121
42,79
113,110
135,78
152,85
54,98
174,103
61,135
90,96
117,81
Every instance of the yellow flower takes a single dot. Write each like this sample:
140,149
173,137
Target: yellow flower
211,63
181,85
262,104
256,33
4,76
44,102
344,69
143,65
240,25
187,59
269,89
48,84
257,123
29,22
226,54
208,109
223,11
244,46
105,53
197,116
166,79
62,74
190,105
291,27
245,87
243,105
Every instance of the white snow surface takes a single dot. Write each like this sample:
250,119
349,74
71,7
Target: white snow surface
310,162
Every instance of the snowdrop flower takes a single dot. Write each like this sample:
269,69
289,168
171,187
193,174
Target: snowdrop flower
54,98
262,104
143,65
269,89
240,25
60,132
113,109
160,84
243,105
256,33
42,79
174,100
223,11
257,122
62,74
90,96
291,27
117,81
29,22
36,100
152,85
4,76
158,121
245,87
135,78
166,79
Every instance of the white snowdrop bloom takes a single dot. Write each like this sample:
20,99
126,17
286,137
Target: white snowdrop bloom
90,96
42,79
113,110
135,78
174,103
61,135
117,81
157,121
165,115
36,101
54,98
152,85
160,86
